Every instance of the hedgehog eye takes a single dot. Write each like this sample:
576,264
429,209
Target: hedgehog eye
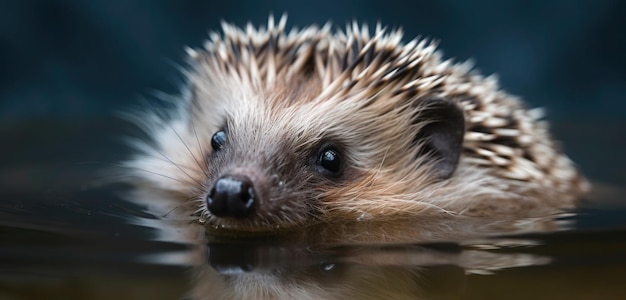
218,140
329,159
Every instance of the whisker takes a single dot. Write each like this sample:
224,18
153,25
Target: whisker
187,202
177,166
182,166
151,172
204,159
188,150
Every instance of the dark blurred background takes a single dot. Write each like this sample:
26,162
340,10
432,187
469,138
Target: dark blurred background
75,59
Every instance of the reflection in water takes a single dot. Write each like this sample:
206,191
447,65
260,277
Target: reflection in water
345,272
425,259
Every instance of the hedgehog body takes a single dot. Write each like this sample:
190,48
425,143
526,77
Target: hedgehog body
290,128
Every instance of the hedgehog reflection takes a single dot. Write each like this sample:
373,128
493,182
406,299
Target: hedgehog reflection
367,269
307,277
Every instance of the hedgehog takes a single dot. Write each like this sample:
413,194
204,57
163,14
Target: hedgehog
281,129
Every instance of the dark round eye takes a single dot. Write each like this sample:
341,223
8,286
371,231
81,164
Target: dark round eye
218,140
329,159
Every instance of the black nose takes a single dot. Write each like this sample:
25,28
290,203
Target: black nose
231,196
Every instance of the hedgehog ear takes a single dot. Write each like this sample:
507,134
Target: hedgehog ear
442,138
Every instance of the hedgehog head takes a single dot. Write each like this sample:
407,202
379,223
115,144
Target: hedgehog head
282,129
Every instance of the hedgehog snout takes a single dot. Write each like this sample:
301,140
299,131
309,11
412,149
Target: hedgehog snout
232,196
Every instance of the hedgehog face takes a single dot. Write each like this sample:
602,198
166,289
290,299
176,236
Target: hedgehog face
278,163
258,178
269,163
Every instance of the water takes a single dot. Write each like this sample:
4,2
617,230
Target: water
62,237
